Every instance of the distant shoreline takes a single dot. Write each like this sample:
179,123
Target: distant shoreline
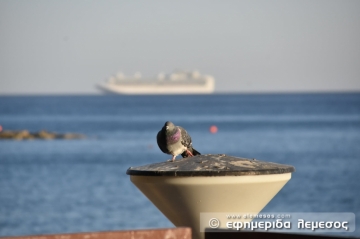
43,134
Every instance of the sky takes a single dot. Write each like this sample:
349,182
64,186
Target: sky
249,46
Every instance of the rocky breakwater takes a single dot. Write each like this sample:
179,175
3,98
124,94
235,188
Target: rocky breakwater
43,134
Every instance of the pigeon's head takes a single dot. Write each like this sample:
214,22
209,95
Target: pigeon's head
169,126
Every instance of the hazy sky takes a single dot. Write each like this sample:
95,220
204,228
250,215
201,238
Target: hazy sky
248,46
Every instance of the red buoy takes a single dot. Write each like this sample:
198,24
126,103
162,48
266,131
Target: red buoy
213,129
0,128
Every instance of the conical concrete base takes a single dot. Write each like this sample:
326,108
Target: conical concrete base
182,199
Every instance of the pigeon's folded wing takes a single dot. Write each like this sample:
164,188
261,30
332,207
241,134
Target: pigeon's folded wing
161,141
185,138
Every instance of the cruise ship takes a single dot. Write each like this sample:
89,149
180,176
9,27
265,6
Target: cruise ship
178,82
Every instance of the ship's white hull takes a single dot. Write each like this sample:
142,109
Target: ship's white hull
153,89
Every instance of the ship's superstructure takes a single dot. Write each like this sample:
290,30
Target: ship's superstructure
178,82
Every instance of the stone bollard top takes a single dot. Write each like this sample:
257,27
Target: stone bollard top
211,165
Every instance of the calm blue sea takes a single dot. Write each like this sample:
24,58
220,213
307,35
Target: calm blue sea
80,185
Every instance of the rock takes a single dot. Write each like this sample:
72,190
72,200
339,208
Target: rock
46,135
7,134
23,134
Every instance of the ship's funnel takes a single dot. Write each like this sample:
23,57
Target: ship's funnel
185,188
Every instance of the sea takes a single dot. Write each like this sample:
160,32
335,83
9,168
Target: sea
80,185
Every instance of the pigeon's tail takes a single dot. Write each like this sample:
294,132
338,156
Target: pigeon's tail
192,150
195,152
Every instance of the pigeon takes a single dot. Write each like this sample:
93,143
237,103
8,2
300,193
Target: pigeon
175,140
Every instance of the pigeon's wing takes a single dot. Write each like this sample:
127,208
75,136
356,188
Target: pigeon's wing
186,141
161,141
185,138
